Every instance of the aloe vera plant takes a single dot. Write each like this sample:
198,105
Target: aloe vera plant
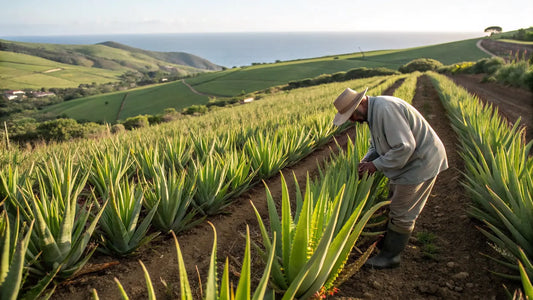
240,174
212,185
122,232
108,168
10,181
311,251
172,195
498,175
62,231
297,144
177,152
12,253
266,154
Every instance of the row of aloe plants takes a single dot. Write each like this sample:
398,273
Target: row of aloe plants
306,251
69,198
498,176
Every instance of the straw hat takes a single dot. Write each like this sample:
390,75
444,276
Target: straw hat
346,104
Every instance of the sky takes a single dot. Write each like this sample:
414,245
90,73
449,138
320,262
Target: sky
68,17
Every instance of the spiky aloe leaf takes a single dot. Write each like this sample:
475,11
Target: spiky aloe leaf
211,286
12,267
526,282
263,283
226,289
244,286
149,285
185,288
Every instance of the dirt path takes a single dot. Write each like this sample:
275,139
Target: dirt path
479,44
193,90
456,271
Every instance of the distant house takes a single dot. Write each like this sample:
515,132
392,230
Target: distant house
247,100
14,94
42,94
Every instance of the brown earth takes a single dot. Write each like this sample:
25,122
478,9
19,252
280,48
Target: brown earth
456,270
508,51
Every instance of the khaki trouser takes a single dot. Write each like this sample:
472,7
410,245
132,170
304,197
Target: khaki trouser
407,201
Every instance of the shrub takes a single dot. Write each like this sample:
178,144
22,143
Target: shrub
512,73
339,76
117,128
155,119
136,122
493,64
421,64
528,79
59,130
92,130
195,109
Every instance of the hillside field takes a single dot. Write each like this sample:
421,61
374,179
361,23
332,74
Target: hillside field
20,71
239,81
121,105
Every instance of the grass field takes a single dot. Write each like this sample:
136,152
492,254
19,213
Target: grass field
151,100
233,82
20,71
237,81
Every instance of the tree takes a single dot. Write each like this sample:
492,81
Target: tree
493,29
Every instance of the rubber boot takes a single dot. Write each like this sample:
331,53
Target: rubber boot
389,256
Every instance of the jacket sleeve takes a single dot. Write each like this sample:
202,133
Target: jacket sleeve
371,154
396,133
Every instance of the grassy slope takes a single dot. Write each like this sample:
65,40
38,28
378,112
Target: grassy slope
233,82
19,71
150,100
86,64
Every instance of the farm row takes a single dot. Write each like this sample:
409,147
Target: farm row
171,178
123,191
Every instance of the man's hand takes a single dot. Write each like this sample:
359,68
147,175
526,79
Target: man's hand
366,167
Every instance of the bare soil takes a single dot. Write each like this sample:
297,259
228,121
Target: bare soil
506,50
455,270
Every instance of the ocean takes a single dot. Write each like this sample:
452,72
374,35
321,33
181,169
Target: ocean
242,49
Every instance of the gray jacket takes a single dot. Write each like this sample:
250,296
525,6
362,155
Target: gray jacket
403,145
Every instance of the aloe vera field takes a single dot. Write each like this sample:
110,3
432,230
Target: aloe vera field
263,200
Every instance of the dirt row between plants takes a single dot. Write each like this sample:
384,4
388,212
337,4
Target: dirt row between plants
455,270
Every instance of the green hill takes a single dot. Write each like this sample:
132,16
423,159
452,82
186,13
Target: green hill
248,79
234,82
121,105
22,65
19,71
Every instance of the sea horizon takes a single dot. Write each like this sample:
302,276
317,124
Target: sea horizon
233,49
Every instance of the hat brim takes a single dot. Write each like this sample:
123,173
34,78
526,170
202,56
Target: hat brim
342,118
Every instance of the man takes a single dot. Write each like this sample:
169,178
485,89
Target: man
407,150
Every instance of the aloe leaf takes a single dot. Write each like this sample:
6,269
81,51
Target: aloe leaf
13,268
263,283
211,287
185,288
244,286
225,287
121,289
149,285
526,282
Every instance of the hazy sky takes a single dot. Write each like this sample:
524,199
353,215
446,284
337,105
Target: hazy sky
67,17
